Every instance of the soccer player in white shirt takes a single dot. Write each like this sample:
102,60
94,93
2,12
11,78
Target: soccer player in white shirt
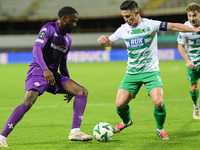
189,48
140,36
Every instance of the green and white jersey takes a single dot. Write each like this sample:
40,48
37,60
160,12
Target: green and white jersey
141,43
191,40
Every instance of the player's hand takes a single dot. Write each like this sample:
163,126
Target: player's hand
68,97
191,65
49,77
103,40
197,30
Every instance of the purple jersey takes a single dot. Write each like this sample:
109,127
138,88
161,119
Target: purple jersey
55,47
50,52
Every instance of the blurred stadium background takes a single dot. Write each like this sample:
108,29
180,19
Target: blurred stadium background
21,20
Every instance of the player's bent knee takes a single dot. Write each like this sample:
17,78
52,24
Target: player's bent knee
28,102
194,90
158,104
120,105
82,91
30,98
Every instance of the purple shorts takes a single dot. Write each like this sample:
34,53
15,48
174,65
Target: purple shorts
38,82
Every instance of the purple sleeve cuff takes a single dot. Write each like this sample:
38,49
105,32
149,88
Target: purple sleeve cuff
37,53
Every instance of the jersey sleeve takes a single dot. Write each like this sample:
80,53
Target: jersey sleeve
43,36
115,36
38,55
155,25
181,38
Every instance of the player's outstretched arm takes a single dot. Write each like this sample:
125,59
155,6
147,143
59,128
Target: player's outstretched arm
104,41
181,28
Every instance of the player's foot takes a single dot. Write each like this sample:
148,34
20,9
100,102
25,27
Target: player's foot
163,135
80,136
196,114
3,142
119,127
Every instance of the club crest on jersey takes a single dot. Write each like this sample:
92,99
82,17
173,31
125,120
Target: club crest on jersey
136,42
145,29
197,41
42,34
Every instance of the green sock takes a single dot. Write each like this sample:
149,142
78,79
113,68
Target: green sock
160,115
194,96
124,114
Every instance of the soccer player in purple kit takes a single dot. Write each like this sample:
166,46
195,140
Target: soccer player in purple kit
50,52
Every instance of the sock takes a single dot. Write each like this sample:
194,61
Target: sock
15,117
124,114
160,115
74,130
160,130
194,96
126,124
196,106
78,110
2,137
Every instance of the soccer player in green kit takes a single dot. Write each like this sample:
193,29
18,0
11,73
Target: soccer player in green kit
189,48
140,36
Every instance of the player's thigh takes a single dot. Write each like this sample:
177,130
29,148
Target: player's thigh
157,96
131,83
73,88
123,98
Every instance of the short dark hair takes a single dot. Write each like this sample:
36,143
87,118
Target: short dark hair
67,10
129,5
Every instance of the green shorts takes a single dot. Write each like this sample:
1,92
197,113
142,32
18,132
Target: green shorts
133,82
193,75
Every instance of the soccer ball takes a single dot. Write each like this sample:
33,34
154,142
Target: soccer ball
103,131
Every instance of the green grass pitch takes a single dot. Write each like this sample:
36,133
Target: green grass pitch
47,125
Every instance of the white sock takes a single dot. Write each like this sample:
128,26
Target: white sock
2,137
160,130
196,106
74,130
126,124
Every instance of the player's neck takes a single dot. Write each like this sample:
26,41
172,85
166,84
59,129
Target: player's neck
139,20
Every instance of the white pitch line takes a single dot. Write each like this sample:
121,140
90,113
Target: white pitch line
89,105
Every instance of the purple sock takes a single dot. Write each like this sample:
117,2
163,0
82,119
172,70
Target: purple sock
15,117
79,108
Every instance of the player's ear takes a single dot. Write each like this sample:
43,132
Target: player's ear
136,12
64,18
